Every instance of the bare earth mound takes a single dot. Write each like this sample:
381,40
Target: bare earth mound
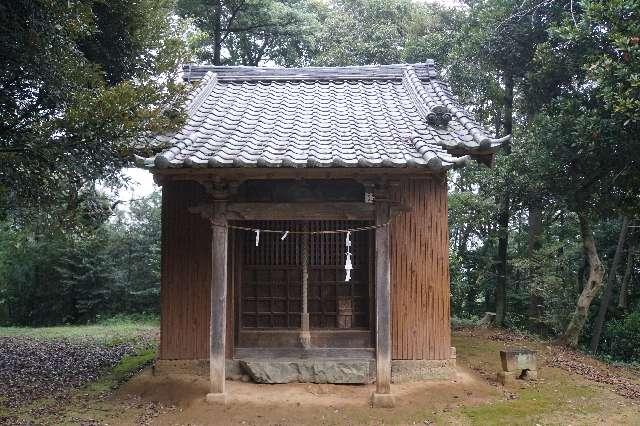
296,403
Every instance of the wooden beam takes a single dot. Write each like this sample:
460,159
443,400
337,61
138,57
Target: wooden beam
218,330
382,397
300,211
247,173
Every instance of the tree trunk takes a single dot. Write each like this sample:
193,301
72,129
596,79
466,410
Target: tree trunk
503,214
501,263
611,280
217,32
470,300
591,287
535,229
472,291
534,308
624,288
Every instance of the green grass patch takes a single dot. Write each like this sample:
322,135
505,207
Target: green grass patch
110,333
557,392
532,405
127,367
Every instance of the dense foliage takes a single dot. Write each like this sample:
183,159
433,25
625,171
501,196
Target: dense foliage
250,32
547,239
62,277
82,83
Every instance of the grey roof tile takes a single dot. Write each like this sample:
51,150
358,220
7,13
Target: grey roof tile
372,116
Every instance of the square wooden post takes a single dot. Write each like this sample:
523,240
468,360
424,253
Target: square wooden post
382,397
218,329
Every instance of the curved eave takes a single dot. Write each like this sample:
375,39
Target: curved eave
483,145
431,162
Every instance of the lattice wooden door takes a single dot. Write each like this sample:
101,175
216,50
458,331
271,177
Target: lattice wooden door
269,294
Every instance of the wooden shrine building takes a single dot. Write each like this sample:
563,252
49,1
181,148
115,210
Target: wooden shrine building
274,170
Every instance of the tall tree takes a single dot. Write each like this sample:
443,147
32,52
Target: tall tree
626,279
598,112
250,32
82,83
608,291
576,151
364,32
499,38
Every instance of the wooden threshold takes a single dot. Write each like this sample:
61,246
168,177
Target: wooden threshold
301,353
320,339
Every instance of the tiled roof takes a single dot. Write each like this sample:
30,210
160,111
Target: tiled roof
367,116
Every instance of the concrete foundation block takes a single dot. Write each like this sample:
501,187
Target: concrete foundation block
403,371
383,400
216,398
198,367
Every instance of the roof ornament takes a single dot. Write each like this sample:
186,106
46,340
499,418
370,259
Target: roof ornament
439,116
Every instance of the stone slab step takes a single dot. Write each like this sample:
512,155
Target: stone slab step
339,371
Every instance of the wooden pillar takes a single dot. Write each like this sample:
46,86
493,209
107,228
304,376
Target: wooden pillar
305,334
218,329
382,396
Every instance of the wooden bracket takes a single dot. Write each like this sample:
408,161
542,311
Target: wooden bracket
216,188
214,212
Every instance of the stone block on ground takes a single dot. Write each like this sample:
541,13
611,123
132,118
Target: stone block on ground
518,363
518,359
529,375
506,378
307,371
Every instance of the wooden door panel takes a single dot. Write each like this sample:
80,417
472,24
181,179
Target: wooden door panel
269,293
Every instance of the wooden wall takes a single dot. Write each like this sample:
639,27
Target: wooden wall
186,272
420,326
186,275
419,274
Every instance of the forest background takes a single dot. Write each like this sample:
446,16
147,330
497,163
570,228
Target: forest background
547,239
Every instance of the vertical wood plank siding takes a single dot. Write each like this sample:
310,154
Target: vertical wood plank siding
419,274
185,282
420,326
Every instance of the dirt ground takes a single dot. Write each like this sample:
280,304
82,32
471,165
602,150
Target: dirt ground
299,404
566,394
573,389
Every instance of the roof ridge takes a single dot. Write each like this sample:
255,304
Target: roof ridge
198,96
480,137
434,113
247,73
414,93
